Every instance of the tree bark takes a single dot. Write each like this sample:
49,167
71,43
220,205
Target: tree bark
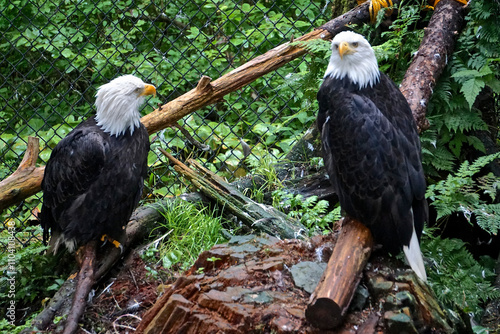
432,57
331,298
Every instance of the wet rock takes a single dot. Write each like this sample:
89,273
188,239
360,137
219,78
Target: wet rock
307,274
399,323
380,286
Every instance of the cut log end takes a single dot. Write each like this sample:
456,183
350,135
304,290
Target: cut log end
331,298
324,313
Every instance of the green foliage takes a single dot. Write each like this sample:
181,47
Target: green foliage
191,230
456,277
473,66
401,41
6,327
473,81
312,213
34,276
461,192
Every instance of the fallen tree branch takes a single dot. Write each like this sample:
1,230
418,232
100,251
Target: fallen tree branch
431,59
252,214
25,181
84,284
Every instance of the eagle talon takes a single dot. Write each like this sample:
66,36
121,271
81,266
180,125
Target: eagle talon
118,245
104,239
376,6
115,243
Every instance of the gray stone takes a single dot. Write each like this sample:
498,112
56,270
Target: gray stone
399,323
307,274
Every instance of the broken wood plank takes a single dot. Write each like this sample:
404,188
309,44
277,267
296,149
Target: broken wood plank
329,303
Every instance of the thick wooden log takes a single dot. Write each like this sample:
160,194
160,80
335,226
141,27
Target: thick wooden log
331,298
25,181
432,57
207,92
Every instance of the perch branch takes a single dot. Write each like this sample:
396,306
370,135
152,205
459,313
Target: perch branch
331,298
25,181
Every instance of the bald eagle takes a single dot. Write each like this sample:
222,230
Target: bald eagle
95,175
371,148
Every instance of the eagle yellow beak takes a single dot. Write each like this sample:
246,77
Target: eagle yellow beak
148,90
344,49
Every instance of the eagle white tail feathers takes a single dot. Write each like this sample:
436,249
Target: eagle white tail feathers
414,257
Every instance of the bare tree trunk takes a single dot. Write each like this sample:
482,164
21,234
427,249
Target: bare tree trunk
432,56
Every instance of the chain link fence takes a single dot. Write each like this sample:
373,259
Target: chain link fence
54,54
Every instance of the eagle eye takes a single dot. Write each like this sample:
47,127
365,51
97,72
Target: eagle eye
355,44
336,46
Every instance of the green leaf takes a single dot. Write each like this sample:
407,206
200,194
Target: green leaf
467,74
471,89
67,53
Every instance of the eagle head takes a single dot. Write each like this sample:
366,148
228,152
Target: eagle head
353,58
118,103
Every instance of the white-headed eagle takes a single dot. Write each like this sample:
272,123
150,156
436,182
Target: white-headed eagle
371,148
95,175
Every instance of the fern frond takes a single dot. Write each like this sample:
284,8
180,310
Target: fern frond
456,277
487,217
459,191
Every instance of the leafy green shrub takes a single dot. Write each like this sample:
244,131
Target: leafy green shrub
461,193
312,213
456,277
